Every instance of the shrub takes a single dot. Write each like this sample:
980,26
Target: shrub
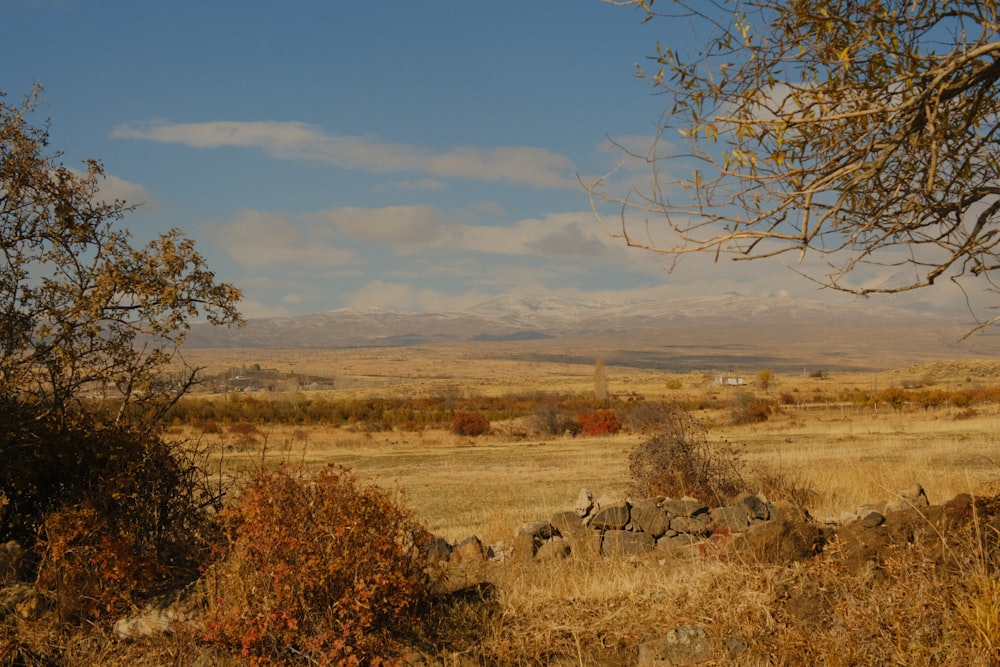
549,420
600,422
648,418
747,409
679,461
470,423
320,571
125,521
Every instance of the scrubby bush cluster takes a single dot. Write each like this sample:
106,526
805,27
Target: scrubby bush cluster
114,513
386,413
679,460
600,422
470,423
320,570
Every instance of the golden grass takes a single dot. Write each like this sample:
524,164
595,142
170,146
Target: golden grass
489,485
596,611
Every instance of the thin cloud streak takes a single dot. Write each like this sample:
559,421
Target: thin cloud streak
523,165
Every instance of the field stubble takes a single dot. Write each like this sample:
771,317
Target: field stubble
487,486
596,611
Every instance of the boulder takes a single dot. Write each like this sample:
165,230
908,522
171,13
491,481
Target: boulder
626,543
649,518
469,550
684,645
611,517
555,549
686,507
733,518
584,503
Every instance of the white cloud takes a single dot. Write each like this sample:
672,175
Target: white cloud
111,188
390,224
557,234
416,184
253,309
257,238
525,165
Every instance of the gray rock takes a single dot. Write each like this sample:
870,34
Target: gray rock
555,549
684,645
624,543
733,518
611,517
649,518
685,507
584,503
873,520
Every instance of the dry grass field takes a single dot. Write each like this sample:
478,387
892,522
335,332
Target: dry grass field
846,455
587,611
918,607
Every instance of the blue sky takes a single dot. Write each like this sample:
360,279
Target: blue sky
410,155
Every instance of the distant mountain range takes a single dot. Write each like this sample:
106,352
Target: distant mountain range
726,328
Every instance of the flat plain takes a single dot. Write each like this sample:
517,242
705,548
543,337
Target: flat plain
845,452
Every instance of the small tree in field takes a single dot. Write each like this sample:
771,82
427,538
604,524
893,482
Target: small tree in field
88,321
765,378
82,309
600,382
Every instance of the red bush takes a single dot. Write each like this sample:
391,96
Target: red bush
470,423
601,422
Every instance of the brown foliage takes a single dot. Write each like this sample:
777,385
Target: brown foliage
679,461
319,570
125,521
470,423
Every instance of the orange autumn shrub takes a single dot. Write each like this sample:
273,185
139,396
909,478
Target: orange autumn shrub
600,422
320,570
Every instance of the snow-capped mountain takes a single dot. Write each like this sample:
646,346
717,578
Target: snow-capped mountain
777,326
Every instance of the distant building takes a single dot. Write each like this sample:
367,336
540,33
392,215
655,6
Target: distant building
729,380
239,383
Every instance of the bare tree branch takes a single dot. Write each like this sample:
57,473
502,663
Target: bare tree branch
862,133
